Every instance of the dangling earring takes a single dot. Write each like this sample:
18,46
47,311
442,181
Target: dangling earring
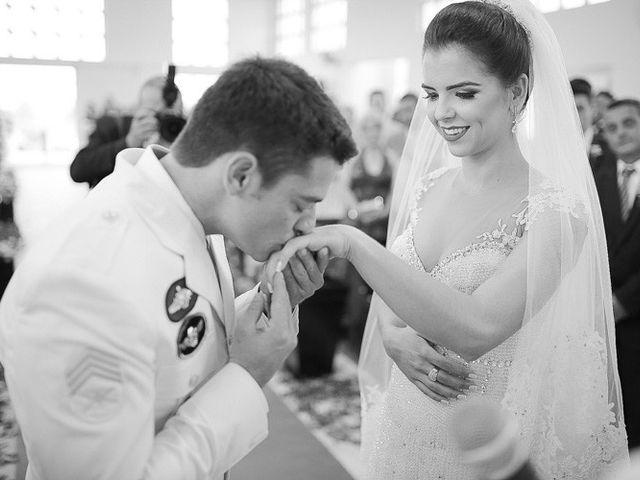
516,120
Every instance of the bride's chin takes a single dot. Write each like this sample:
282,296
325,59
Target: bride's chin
457,150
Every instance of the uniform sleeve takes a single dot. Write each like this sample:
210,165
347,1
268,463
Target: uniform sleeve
79,362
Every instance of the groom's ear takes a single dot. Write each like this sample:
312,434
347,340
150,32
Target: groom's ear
241,172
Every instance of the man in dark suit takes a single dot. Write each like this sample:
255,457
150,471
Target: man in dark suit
618,184
595,142
113,134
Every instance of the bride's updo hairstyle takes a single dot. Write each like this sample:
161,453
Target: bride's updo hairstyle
486,30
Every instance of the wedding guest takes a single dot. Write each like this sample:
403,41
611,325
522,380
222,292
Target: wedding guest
595,143
618,183
400,126
10,240
378,103
113,134
601,102
370,180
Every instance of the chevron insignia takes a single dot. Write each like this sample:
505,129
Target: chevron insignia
95,385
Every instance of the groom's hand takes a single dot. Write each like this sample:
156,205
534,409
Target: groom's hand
261,345
304,274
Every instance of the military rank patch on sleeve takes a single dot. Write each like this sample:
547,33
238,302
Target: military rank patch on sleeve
179,300
94,382
190,334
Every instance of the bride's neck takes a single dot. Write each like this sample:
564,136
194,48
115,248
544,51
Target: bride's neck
497,166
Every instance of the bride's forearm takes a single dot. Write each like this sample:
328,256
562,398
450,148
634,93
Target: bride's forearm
437,312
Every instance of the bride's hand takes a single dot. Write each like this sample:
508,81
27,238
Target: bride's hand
335,238
415,357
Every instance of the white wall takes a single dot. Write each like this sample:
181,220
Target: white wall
601,42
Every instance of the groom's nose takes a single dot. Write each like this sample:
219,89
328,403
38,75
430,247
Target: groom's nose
306,223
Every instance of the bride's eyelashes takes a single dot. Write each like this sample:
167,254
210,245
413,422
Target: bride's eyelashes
466,95
463,95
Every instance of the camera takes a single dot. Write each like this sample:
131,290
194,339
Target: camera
169,124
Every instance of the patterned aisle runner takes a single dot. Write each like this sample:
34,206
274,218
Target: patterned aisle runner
329,407
8,436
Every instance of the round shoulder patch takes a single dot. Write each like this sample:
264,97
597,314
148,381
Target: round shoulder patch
190,334
179,300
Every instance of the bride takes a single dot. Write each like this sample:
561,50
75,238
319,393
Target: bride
497,259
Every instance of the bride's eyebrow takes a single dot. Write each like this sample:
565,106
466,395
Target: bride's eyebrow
454,86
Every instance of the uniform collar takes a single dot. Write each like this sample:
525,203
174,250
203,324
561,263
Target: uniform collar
149,165
169,216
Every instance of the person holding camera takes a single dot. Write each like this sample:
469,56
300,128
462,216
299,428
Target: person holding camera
157,120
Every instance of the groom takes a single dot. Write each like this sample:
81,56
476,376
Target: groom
125,354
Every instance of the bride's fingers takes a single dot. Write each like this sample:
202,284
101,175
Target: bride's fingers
453,382
451,366
428,392
440,389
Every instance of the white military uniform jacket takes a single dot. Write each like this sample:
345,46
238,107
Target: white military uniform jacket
113,335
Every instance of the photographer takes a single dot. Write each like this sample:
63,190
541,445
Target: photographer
157,120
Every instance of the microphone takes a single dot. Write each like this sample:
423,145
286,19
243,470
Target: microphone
488,438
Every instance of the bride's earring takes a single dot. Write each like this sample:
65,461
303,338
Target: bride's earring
515,122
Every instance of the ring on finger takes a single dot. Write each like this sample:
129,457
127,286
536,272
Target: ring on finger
433,374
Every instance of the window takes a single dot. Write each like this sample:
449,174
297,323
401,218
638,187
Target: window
290,27
328,25
70,30
43,126
192,86
200,30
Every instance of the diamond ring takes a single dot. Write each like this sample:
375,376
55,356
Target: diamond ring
433,374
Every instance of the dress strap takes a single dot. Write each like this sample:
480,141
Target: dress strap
425,183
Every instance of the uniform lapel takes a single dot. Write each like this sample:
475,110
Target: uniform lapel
167,214
226,281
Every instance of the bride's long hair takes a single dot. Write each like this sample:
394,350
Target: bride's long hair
563,383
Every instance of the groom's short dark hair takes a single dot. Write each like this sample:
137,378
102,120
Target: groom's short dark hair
271,108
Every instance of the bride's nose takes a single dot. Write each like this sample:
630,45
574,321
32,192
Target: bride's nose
443,110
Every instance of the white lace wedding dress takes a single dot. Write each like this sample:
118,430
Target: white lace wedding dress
410,431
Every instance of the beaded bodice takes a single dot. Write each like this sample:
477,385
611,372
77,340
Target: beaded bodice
469,267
